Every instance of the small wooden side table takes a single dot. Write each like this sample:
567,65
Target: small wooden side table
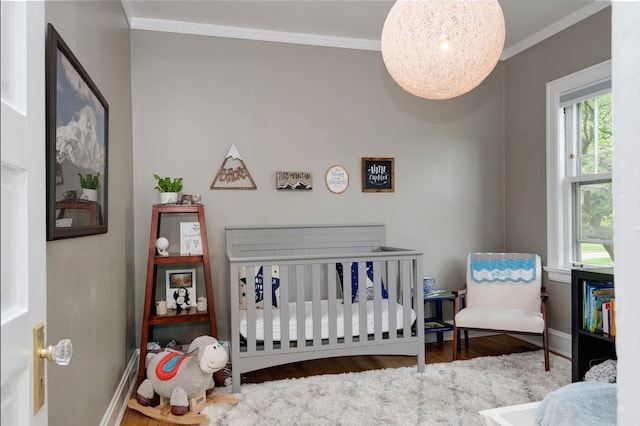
437,324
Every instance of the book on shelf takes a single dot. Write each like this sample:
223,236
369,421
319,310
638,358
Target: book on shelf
612,332
606,317
438,293
600,297
595,294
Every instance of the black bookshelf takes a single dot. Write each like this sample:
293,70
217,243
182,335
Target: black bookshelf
588,348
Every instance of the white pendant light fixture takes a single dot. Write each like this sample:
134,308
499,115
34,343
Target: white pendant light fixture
440,49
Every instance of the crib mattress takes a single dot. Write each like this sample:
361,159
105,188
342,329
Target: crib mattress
324,306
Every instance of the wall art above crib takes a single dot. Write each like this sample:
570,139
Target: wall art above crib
377,174
233,173
337,179
299,181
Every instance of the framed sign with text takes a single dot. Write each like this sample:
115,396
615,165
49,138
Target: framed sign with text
337,179
377,174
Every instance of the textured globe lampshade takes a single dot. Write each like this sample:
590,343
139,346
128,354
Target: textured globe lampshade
440,49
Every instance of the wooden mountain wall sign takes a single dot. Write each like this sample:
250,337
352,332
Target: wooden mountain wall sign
233,173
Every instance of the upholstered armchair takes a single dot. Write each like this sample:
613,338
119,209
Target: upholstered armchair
504,293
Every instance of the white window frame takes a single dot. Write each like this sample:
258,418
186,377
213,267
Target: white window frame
559,190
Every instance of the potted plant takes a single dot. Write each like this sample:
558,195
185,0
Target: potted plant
168,189
89,184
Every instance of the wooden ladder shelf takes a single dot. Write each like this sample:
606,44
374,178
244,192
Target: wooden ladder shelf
149,316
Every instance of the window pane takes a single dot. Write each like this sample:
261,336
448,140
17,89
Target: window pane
597,254
595,213
595,135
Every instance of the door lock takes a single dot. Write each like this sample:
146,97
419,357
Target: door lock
61,353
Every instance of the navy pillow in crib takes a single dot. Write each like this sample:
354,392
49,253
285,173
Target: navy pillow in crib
259,286
355,281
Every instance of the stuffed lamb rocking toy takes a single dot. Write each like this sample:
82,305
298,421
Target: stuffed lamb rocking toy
183,378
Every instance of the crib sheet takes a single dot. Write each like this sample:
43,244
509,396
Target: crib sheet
324,306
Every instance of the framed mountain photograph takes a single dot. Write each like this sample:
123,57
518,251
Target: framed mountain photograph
77,146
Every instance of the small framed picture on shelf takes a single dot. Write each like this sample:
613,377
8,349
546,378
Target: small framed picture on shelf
181,289
190,239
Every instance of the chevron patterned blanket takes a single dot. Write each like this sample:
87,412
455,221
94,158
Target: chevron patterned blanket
503,267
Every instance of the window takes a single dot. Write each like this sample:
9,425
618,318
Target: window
579,170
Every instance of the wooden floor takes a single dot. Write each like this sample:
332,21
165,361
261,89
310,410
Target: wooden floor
436,352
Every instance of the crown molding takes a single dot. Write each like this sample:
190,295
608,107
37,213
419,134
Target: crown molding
127,11
555,28
181,27
252,34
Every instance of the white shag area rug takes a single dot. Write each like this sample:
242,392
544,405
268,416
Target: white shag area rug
445,394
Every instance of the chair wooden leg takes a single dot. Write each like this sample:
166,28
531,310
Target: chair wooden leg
545,338
466,339
456,341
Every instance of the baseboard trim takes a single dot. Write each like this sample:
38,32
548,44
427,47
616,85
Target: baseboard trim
559,342
118,405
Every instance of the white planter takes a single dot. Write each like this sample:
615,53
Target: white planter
89,194
168,197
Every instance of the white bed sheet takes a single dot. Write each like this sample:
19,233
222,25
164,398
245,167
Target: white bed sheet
324,305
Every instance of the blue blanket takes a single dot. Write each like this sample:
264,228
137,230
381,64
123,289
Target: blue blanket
503,267
581,403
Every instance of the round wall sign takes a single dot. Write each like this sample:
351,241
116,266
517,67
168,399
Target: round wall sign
337,179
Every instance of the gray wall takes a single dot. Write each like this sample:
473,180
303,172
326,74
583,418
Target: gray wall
301,108
526,75
90,279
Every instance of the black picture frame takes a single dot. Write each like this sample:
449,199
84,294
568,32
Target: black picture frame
77,142
377,174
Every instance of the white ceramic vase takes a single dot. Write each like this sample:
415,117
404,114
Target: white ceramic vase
89,194
168,197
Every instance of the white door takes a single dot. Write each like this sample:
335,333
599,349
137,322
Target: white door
23,204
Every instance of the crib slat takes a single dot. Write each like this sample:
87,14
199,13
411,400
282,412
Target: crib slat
404,274
377,299
362,300
285,272
406,299
315,304
347,306
268,307
300,306
332,300
251,308
392,291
